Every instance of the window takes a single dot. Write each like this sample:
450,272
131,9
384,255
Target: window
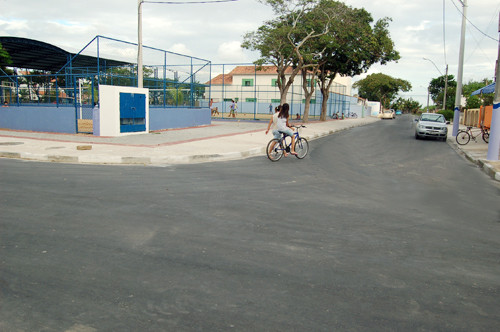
274,82
275,101
251,100
247,82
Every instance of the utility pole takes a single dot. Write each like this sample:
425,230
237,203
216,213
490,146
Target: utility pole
458,95
494,144
445,87
139,44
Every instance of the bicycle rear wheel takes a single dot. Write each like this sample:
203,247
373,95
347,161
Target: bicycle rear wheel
301,147
274,150
486,137
463,137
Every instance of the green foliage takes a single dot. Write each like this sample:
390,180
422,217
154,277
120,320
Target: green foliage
406,105
436,90
175,97
476,101
5,59
448,114
381,87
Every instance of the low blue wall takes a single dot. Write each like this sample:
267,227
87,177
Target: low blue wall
169,118
63,119
39,118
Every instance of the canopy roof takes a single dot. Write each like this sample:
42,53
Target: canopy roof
34,54
487,89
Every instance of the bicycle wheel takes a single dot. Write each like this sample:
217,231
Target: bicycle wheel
463,137
274,150
301,147
486,137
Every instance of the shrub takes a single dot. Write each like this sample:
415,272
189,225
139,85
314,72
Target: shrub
448,114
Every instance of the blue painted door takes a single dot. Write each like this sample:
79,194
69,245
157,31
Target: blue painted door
132,112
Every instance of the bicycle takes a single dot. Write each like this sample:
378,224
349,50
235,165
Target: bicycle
353,115
277,147
464,136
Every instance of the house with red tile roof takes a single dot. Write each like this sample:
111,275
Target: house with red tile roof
253,84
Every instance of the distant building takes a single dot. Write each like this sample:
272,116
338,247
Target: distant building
246,84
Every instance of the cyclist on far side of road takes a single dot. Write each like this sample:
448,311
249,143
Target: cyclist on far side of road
283,126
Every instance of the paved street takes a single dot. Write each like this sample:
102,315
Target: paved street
373,230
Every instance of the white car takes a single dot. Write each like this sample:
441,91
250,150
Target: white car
431,125
388,114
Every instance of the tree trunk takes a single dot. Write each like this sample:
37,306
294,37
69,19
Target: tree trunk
308,93
325,92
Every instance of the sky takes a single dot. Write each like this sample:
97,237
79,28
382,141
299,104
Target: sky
214,31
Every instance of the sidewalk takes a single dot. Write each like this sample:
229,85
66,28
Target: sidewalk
476,152
223,140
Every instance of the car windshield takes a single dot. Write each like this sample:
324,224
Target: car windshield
432,118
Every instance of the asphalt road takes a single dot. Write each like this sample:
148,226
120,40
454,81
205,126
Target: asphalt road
373,230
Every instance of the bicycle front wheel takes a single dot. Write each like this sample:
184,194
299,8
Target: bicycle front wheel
486,137
274,150
301,147
463,137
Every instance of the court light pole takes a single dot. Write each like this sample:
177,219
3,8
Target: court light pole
139,44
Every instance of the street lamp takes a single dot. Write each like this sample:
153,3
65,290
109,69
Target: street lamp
445,81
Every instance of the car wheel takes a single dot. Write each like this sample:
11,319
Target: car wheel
416,136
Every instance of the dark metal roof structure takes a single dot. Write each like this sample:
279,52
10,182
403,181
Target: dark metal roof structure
33,54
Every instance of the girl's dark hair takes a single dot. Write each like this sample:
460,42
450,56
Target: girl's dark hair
284,111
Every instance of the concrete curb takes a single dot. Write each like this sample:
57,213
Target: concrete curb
481,163
101,159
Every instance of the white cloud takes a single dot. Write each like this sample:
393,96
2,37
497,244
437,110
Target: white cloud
231,52
422,26
181,49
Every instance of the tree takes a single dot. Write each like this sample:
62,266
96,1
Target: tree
436,90
406,105
281,41
5,59
352,46
476,101
381,87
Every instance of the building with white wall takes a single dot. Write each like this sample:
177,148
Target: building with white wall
249,84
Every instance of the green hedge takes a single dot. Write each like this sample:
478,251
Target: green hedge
448,114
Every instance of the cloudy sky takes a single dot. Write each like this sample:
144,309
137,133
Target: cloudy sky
214,31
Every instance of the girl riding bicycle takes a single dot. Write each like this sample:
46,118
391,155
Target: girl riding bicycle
283,127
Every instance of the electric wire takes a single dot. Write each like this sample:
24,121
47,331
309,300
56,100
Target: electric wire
461,13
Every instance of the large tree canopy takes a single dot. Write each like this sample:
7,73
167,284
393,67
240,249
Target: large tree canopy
381,87
322,38
352,46
281,41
